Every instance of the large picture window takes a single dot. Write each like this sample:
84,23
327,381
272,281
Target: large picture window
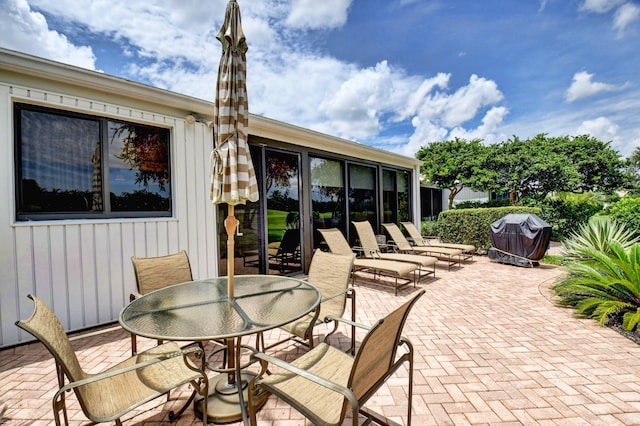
73,166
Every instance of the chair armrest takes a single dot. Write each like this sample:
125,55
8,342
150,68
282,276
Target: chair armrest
157,359
346,321
392,244
348,393
371,251
358,250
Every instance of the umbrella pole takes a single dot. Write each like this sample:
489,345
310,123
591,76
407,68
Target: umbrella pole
231,225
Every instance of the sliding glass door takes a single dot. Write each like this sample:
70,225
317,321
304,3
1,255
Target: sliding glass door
327,196
282,188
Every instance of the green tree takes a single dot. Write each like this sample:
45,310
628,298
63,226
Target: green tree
599,166
529,168
632,166
626,211
454,165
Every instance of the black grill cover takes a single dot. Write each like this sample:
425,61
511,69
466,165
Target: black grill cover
523,235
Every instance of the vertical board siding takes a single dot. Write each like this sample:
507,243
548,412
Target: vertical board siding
82,268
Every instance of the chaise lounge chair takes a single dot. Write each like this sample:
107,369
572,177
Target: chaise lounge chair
338,244
419,240
449,255
370,250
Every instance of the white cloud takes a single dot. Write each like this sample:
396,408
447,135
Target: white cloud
488,131
600,6
318,14
27,31
442,116
416,98
601,128
463,105
583,86
624,16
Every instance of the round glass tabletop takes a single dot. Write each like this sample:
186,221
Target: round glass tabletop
201,310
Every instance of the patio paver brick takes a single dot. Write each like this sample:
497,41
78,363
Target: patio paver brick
491,348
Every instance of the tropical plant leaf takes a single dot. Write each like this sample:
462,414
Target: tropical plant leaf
603,282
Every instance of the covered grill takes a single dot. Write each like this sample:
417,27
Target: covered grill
519,239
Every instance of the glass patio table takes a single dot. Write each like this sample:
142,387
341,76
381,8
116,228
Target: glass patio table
201,310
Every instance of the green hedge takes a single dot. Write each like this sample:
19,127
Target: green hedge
471,226
626,211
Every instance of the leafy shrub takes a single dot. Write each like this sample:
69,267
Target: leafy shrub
604,285
627,211
565,213
597,235
429,227
471,226
501,202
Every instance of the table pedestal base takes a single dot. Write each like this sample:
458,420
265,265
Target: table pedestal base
223,405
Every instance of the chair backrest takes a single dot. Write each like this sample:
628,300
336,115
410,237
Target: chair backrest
378,350
397,236
367,238
45,326
336,241
330,273
153,273
414,233
290,241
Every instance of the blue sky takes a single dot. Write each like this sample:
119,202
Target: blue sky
394,74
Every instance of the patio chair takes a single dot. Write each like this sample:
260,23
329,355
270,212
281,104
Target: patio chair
153,273
370,250
338,244
330,274
420,240
109,395
449,255
325,383
287,250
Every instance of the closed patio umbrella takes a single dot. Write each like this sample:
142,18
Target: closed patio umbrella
233,179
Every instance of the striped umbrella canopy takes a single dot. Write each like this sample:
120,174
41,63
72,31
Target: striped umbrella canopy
233,178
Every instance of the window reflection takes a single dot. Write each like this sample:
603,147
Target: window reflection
68,162
138,168
362,195
59,167
283,212
327,196
395,194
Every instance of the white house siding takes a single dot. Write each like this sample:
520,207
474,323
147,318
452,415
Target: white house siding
465,195
82,268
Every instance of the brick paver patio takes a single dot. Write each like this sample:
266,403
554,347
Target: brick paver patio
491,349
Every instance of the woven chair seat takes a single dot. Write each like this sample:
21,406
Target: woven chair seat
107,398
370,249
338,244
421,240
451,255
324,361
